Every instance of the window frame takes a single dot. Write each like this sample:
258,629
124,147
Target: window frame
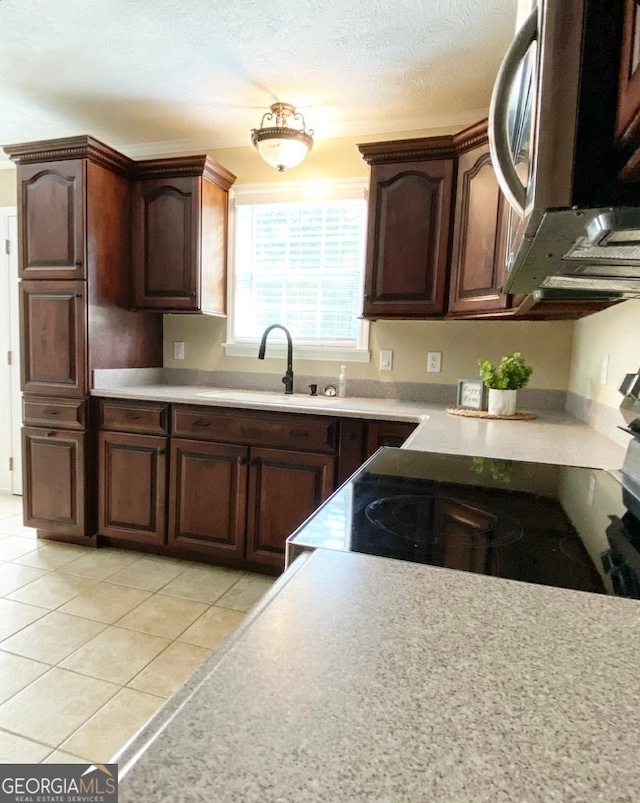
337,189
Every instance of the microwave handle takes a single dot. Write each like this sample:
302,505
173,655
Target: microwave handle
503,165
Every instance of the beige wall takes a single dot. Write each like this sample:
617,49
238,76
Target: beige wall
8,187
546,344
614,332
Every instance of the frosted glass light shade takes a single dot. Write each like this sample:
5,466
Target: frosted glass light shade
283,153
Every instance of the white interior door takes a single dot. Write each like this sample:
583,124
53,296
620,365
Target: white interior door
10,403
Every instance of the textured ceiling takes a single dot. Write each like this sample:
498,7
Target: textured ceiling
163,76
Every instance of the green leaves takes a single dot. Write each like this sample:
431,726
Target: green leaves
512,372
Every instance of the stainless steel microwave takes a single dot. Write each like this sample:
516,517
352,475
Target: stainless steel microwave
574,229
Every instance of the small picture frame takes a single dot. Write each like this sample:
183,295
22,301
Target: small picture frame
471,394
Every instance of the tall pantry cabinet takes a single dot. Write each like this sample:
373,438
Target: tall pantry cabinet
75,316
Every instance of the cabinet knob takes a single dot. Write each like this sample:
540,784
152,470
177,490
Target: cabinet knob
78,264
52,412
243,461
77,295
161,451
131,417
51,433
299,433
201,423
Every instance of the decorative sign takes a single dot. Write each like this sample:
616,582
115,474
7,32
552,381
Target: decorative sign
471,394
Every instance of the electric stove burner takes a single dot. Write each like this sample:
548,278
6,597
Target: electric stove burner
429,518
573,547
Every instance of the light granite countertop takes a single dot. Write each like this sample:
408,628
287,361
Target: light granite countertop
365,679
553,437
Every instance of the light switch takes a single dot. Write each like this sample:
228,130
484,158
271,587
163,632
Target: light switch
386,360
178,350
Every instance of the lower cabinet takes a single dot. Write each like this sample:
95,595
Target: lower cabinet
54,480
56,466
208,497
220,483
285,487
133,476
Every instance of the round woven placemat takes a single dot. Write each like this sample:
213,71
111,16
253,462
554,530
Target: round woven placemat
519,415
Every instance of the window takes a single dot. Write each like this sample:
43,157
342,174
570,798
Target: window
298,260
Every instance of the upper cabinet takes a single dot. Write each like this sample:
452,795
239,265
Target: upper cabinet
408,230
180,235
479,228
51,220
438,232
628,119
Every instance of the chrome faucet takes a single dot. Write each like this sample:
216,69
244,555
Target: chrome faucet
288,377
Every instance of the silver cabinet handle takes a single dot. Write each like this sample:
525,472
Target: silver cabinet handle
508,179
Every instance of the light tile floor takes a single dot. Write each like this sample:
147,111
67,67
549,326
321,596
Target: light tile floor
93,642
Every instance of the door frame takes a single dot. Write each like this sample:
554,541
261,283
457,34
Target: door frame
10,399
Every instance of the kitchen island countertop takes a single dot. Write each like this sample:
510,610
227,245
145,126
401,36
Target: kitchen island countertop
553,437
361,678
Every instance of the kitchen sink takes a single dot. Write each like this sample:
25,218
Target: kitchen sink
267,397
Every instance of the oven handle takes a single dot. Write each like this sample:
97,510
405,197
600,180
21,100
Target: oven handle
508,179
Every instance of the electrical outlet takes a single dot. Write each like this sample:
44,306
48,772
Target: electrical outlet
386,360
178,350
604,369
434,362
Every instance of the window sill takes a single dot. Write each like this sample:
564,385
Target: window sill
299,352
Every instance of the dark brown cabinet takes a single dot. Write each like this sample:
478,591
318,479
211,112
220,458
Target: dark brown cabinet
132,471
387,433
180,235
437,234
408,230
53,343
133,479
54,470
208,493
285,487
242,482
51,220
628,118
478,253
75,316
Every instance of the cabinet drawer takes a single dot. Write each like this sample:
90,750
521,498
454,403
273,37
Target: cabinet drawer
131,416
39,411
286,431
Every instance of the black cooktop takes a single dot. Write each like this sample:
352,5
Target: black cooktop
556,525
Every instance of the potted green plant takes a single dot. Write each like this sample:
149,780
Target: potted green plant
511,374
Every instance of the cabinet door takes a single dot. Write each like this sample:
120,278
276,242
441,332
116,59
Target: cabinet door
387,433
628,120
285,487
53,343
208,497
51,220
166,234
132,483
54,472
408,237
478,256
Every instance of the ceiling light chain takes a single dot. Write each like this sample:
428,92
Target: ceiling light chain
280,145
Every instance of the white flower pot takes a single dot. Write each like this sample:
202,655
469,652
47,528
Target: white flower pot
502,402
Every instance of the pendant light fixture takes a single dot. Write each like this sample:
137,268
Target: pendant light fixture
280,145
